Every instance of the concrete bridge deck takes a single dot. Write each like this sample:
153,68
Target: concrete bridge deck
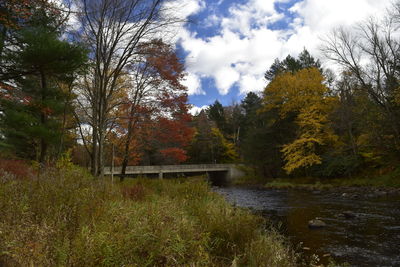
230,170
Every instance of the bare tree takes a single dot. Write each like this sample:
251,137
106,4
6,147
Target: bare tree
371,53
112,29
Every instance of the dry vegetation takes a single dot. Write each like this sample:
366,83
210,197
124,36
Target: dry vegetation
67,218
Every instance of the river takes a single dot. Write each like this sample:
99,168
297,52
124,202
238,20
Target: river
370,238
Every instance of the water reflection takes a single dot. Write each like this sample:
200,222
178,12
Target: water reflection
371,238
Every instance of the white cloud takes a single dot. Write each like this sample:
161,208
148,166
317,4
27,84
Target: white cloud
245,46
252,83
194,110
183,8
225,77
256,12
193,83
322,15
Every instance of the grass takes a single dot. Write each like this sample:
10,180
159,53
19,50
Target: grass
389,179
67,218
250,177
301,183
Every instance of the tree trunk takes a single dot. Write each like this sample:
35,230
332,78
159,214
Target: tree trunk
126,148
100,168
3,34
94,156
64,122
43,141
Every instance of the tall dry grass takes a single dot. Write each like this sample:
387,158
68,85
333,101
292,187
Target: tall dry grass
67,218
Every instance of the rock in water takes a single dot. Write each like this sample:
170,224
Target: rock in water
316,223
348,215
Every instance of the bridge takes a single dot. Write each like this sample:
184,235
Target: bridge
227,172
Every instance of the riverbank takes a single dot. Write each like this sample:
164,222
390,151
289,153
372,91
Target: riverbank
346,187
68,218
370,182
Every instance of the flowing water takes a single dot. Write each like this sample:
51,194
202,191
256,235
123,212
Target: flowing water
370,238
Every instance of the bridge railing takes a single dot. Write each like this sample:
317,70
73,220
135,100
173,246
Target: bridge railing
171,168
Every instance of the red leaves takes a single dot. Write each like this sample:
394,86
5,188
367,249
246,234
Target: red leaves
14,11
174,131
174,154
159,124
6,87
46,111
19,168
11,93
27,100
165,62
174,135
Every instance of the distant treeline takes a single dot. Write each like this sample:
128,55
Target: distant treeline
309,121
108,88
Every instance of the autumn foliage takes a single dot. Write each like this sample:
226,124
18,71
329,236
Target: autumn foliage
13,11
304,95
153,125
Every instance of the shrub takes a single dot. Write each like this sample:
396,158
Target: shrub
18,168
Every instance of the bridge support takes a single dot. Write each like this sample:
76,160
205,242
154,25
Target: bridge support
160,175
234,173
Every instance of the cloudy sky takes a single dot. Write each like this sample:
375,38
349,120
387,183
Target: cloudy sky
229,44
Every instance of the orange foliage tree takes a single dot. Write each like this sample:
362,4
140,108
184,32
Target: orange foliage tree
152,124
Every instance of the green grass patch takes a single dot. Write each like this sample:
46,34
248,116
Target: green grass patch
67,218
391,179
388,179
250,177
306,183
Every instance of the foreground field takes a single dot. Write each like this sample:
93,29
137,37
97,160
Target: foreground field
66,218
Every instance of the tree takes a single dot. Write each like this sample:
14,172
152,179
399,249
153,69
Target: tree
262,144
370,54
215,112
291,64
250,105
173,132
37,66
209,145
234,122
200,150
304,94
223,150
155,95
12,15
113,30
18,14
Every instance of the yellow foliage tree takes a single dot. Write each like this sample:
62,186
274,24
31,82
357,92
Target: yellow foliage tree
224,150
304,94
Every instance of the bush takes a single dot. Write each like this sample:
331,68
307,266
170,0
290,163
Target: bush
337,166
18,168
67,218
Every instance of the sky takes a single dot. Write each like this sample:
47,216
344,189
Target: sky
228,45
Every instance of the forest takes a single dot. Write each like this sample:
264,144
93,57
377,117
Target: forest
111,83
311,121
112,90
115,85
